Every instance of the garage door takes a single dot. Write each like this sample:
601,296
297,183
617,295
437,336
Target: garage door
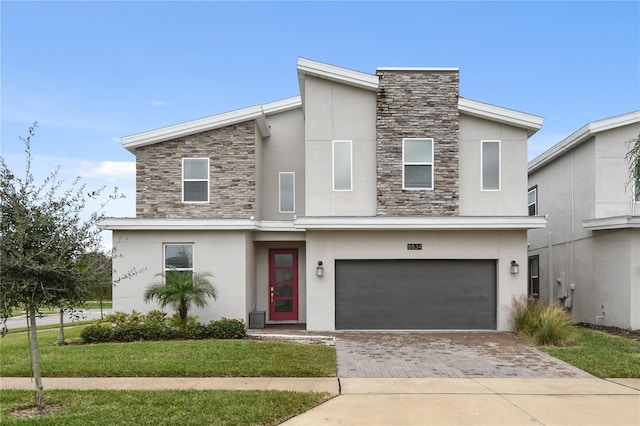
415,294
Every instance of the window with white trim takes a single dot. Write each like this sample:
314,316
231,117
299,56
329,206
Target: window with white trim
532,201
417,163
195,180
342,166
178,259
287,192
490,166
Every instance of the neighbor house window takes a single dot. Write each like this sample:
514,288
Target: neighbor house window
490,166
178,259
195,180
533,201
342,166
417,163
287,192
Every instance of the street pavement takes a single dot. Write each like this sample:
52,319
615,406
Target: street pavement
49,319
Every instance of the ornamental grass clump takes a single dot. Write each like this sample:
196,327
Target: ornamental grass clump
544,324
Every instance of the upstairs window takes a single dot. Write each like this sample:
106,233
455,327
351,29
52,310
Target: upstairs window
342,166
195,180
287,192
533,201
490,166
178,259
417,163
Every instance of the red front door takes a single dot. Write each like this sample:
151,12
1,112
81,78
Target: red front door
283,284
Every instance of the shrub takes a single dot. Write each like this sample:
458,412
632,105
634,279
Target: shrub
555,327
543,324
97,333
192,329
132,327
226,328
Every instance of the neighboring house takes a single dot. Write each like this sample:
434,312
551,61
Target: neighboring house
590,251
371,201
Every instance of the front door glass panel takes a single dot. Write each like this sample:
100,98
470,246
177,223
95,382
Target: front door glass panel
283,284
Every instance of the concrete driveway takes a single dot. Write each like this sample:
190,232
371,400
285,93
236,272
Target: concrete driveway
442,355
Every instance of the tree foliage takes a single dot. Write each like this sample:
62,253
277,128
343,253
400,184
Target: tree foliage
44,245
181,290
633,158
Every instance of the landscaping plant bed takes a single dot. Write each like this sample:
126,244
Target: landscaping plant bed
616,331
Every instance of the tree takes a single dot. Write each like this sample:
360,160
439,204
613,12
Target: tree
633,158
44,237
99,280
181,290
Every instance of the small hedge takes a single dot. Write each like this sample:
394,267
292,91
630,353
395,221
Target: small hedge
155,325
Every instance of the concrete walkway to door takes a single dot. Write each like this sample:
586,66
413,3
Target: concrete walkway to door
445,355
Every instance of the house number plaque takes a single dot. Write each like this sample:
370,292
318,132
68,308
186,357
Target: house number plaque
414,246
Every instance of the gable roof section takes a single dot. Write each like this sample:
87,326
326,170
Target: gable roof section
334,73
532,123
307,67
581,135
258,112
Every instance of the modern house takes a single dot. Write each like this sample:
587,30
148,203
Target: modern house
370,201
589,255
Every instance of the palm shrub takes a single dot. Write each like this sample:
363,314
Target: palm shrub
544,324
181,291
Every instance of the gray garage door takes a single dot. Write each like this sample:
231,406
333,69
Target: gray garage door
415,294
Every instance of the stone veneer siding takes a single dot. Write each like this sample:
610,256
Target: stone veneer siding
232,176
417,104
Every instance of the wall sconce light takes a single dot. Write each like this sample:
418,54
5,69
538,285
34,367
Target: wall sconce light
319,269
515,268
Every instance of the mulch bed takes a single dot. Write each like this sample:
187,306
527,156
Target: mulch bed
616,331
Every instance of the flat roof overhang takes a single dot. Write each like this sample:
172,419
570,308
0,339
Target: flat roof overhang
301,224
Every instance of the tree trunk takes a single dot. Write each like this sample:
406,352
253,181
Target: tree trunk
101,313
35,358
61,328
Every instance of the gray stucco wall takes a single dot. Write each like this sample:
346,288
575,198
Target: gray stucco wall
232,180
417,104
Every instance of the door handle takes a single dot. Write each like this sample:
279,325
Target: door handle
271,294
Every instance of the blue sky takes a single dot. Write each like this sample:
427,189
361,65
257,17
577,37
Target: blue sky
92,72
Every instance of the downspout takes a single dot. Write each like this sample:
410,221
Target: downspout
550,250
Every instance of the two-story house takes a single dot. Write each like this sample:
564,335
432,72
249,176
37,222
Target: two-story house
589,255
370,201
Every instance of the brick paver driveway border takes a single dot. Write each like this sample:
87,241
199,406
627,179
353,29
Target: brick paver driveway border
433,354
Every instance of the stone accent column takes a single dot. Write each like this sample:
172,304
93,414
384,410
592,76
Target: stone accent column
232,175
417,104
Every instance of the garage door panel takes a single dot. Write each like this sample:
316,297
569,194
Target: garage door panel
415,294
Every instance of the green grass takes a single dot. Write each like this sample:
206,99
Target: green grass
180,358
94,304
601,354
161,407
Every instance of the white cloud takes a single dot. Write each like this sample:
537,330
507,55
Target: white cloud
158,102
111,170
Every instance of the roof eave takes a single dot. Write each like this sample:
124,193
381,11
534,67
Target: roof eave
607,223
337,74
209,123
579,136
532,123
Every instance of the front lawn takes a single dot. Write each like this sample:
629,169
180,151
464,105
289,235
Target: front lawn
600,354
209,407
179,358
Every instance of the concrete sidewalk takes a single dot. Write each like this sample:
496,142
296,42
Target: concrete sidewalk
480,401
311,384
420,401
